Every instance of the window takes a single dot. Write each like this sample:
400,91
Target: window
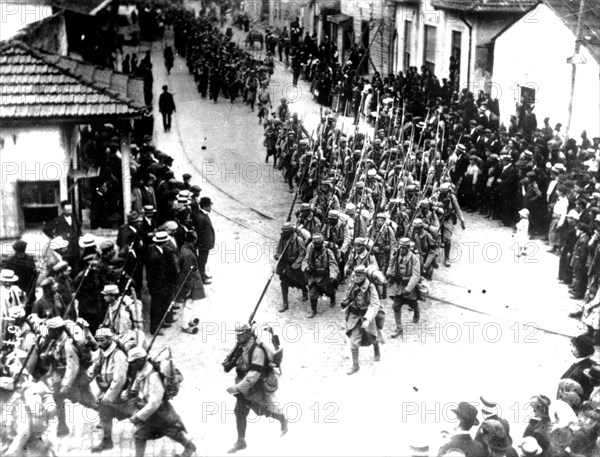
527,95
39,201
455,58
429,48
407,43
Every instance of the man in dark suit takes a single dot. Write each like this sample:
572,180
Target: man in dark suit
158,277
68,227
24,267
508,184
131,243
148,194
582,349
461,439
206,236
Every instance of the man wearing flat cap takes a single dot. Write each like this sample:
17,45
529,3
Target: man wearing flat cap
461,438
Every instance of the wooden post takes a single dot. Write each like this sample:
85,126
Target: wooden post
126,178
574,67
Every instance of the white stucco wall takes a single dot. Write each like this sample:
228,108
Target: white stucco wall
534,53
16,15
29,154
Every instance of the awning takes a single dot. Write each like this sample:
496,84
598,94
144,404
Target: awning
338,18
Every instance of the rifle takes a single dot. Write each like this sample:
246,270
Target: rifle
85,274
231,358
35,344
162,321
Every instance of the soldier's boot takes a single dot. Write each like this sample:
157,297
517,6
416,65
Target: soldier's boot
447,246
332,302
355,366
313,308
284,298
398,318
105,444
188,447
417,315
304,294
376,352
140,448
237,446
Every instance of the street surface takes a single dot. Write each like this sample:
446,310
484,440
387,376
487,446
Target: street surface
496,324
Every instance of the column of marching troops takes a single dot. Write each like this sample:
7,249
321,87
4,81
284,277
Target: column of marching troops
86,329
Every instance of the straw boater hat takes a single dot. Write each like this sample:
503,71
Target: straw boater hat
8,276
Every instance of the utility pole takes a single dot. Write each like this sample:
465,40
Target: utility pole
574,64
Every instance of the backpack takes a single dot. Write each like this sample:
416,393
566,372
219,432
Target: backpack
169,374
273,359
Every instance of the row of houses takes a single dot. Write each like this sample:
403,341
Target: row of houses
546,50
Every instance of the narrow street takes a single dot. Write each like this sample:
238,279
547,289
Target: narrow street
496,324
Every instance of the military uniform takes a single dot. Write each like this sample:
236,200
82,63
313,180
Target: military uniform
322,272
249,389
364,315
289,264
403,275
111,376
449,213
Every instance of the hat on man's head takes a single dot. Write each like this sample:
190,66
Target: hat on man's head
287,227
404,242
149,209
8,276
110,289
205,201
187,176
304,207
48,282
60,266
55,322
104,332
160,237
530,447
87,241
136,353
243,328
106,246
195,189
593,373
467,413
318,238
584,345
134,216
360,269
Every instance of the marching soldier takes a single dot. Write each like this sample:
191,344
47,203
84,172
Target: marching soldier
451,212
68,364
384,241
325,201
360,256
357,223
249,389
425,246
307,219
123,317
363,310
337,237
111,376
403,275
25,424
289,256
155,416
321,271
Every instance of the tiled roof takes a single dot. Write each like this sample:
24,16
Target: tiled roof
568,12
486,6
34,84
90,7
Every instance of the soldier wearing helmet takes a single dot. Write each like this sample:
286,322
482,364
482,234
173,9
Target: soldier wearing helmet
322,272
449,214
404,273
